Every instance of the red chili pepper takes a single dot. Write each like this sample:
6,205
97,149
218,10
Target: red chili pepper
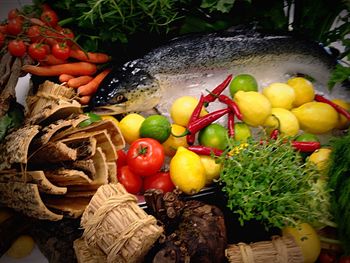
231,124
234,107
338,108
195,115
306,146
203,150
204,121
218,90
274,134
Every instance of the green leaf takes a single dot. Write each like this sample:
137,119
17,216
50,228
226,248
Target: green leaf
339,75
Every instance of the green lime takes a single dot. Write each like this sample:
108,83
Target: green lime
157,127
244,82
307,137
214,135
242,132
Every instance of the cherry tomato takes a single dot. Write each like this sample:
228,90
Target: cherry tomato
61,50
13,13
145,156
344,259
2,39
34,33
3,28
49,17
160,180
121,161
327,257
17,48
131,181
15,26
37,51
68,35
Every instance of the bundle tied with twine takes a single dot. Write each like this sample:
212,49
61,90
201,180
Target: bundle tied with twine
114,224
279,250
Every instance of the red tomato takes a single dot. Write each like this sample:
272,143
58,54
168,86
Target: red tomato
49,17
37,51
15,26
68,35
344,259
160,180
131,181
12,14
17,48
121,161
327,257
145,156
3,28
61,50
34,33
2,39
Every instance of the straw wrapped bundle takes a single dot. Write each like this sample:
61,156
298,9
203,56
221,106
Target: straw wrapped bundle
115,224
278,250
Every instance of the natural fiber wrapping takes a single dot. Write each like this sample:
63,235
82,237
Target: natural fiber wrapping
278,250
116,225
85,255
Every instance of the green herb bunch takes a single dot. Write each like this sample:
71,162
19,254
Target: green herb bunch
269,182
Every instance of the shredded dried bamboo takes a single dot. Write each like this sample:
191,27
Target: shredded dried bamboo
278,250
115,224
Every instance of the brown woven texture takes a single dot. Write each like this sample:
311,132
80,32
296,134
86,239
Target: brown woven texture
278,250
114,224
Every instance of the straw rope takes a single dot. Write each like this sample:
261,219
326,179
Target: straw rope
246,253
281,248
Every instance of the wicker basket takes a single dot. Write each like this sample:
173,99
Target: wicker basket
114,224
278,250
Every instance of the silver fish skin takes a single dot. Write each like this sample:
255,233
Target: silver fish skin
194,64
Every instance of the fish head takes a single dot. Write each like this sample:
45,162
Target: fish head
126,89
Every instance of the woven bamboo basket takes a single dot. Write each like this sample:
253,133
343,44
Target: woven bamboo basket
278,250
115,224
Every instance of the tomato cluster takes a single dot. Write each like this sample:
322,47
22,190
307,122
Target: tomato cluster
38,37
140,167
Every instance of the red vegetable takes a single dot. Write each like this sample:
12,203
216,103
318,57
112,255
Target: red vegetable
195,115
218,90
37,51
131,181
230,103
344,259
17,48
61,50
34,33
306,146
145,156
274,134
203,150
231,124
15,26
338,108
49,17
160,180
121,161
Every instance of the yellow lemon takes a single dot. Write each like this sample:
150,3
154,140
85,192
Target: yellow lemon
187,171
304,90
242,132
254,106
320,158
280,95
182,108
307,239
316,117
343,122
111,118
21,247
284,120
172,143
212,169
130,127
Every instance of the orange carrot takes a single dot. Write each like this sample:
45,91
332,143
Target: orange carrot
65,78
52,60
74,68
79,81
92,86
84,100
92,57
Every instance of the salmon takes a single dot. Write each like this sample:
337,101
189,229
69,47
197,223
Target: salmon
194,64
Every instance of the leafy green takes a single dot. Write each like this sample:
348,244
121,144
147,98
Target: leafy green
12,119
339,180
269,182
339,74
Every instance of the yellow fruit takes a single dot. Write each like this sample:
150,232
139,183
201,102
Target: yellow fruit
307,239
212,169
283,120
182,108
280,95
254,106
343,122
130,127
304,90
172,143
22,247
242,132
320,158
316,117
187,171
108,117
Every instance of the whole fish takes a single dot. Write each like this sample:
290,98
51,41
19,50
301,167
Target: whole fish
194,64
